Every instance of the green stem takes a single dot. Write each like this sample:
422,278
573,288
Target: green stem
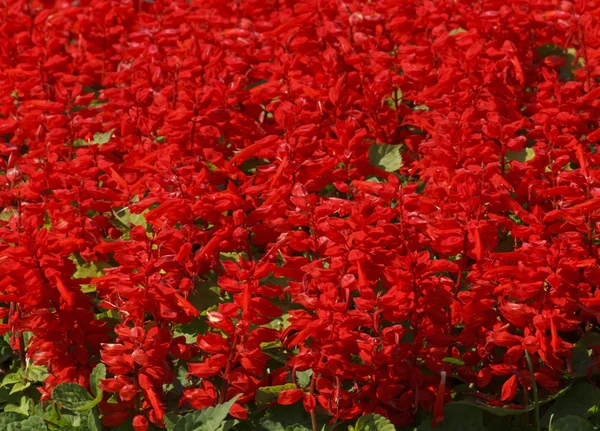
536,402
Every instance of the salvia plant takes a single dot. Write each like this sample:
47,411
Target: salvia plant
299,215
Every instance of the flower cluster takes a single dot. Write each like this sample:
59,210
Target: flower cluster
365,203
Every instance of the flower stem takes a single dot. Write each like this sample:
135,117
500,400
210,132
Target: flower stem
536,403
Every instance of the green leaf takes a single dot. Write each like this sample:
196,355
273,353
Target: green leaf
297,427
98,373
36,373
7,214
11,379
209,419
279,323
304,377
7,418
278,418
385,156
73,397
454,361
457,418
103,138
373,422
457,31
19,387
90,269
93,421
571,423
170,420
522,156
32,423
23,408
268,394
125,216
100,139
398,96
582,359
270,345
580,400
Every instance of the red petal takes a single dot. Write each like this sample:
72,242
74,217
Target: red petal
290,396
509,389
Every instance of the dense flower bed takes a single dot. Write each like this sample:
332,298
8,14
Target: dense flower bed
351,207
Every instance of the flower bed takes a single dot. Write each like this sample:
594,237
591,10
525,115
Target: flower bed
299,215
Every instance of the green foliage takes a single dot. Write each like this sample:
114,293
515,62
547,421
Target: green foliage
454,361
280,418
372,422
395,99
571,423
581,400
209,419
385,156
99,139
457,418
457,31
582,359
303,377
98,373
73,397
522,156
32,423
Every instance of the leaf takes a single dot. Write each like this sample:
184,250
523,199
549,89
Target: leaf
304,377
103,138
522,156
36,373
579,400
32,423
297,427
209,419
11,379
456,418
124,216
454,361
170,420
457,31
385,156
373,422
99,372
268,394
93,421
91,269
398,96
571,423
7,418
100,139
279,323
7,214
279,418
581,359
73,397
20,387
23,408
